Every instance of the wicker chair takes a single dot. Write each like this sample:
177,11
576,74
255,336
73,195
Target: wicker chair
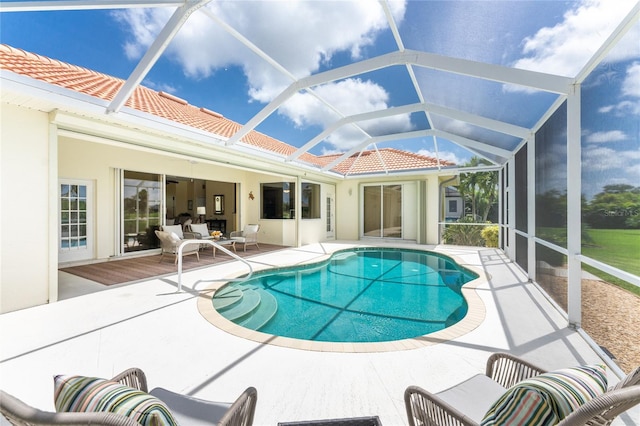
476,395
171,246
248,236
188,411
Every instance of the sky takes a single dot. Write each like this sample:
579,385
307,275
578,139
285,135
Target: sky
209,68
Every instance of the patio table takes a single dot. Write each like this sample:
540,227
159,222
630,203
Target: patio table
223,242
352,421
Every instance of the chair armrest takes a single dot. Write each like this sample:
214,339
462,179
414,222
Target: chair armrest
242,410
603,409
191,235
631,379
425,408
507,369
235,234
134,378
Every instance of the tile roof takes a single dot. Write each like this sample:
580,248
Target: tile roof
170,107
383,159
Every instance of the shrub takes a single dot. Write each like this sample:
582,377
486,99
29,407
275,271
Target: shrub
490,235
464,235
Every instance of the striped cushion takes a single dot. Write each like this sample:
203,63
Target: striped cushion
548,398
91,394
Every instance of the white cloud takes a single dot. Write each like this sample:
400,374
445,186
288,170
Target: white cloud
162,87
631,84
605,137
300,36
634,170
622,109
144,26
599,158
351,96
565,48
630,88
442,155
457,127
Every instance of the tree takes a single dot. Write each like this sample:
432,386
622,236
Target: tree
479,190
616,207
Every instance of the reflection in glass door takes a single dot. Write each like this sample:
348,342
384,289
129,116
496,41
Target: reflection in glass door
382,211
392,211
75,242
372,211
142,201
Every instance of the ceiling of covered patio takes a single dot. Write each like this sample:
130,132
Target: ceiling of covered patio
447,79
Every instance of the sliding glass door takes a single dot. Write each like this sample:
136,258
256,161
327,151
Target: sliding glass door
382,211
142,202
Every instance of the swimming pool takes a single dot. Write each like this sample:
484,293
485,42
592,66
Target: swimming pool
366,294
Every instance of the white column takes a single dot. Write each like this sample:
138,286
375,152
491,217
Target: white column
54,210
298,208
511,207
531,207
574,216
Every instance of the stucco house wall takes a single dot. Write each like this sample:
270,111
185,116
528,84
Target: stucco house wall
25,262
39,149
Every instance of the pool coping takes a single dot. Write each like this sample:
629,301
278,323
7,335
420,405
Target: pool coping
476,314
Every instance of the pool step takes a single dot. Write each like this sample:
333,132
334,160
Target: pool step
250,301
226,297
263,313
342,256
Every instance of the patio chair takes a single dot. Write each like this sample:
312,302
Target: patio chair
180,232
467,403
248,236
186,410
201,229
170,244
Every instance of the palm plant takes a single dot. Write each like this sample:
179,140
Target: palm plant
479,190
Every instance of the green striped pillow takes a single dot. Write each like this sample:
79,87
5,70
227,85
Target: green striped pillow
91,394
548,398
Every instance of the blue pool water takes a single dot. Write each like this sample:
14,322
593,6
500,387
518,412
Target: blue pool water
358,295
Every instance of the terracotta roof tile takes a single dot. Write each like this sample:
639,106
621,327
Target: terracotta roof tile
384,159
106,87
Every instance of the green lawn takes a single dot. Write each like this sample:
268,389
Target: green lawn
616,247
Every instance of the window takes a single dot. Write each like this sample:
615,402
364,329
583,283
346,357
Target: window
73,217
278,200
453,206
310,201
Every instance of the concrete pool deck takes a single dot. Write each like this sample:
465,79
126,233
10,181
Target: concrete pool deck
148,325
